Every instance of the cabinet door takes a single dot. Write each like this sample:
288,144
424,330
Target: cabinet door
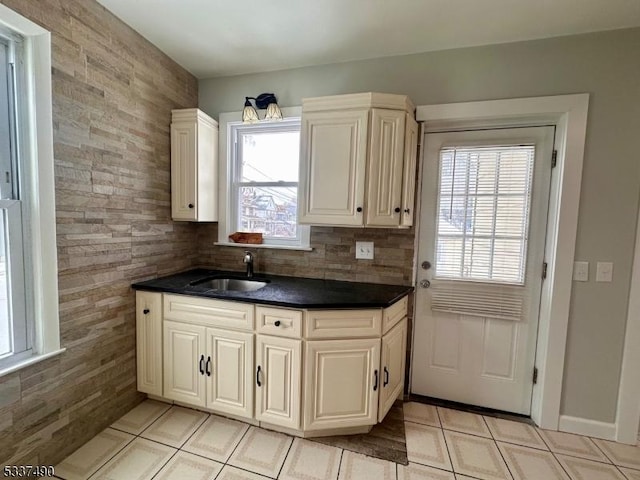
333,155
278,363
341,383
409,171
384,184
394,345
184,363
183,171
149,342
229,368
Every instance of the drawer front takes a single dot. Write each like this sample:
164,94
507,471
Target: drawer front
280,322
394,314
209,312
343,323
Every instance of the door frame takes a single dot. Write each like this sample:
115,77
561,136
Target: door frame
628,411
569,114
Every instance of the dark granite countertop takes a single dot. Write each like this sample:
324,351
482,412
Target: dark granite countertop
282,291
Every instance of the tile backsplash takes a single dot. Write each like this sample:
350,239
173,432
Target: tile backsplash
332,257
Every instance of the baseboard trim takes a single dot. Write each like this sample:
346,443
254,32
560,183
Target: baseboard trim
590,428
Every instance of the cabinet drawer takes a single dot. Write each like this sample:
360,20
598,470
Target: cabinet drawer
280,322
394,314
343,323
209,312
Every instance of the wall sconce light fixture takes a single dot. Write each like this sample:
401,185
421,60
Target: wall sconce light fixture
263,101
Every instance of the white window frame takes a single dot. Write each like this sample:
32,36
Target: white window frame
228,124
36,146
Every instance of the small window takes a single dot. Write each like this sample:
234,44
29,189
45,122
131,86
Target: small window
484,196
263,187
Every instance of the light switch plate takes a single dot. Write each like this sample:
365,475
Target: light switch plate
581,271
604,272
364,250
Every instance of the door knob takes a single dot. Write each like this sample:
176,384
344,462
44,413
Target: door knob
426,265
425,283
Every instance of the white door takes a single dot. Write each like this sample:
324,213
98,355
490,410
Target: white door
278,381
482,231
229,369
184,363
341,383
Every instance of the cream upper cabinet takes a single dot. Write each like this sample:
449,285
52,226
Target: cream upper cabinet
332,176
392,365
352,160
341,385
386,147
278,375
149,342
409,171
194,166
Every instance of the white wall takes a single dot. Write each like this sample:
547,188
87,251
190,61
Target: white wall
606,65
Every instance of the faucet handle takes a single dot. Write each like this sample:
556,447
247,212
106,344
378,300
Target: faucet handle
248,256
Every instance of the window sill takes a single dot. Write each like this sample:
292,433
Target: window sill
29,361
262,245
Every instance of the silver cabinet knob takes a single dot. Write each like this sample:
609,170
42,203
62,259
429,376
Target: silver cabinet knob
425,283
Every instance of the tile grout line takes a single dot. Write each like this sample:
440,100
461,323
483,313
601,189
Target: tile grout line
561,465
284,460
602,451
110,458
340,464
446,444
226,462
495,443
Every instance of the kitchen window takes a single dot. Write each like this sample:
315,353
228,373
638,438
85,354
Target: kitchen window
262,182
29,317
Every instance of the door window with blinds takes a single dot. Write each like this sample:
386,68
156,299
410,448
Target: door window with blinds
484,200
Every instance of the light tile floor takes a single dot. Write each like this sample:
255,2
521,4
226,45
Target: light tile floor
163,442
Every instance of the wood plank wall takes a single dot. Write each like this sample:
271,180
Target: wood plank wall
112,98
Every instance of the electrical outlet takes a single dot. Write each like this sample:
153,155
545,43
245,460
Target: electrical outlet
604,272
581,271
364,250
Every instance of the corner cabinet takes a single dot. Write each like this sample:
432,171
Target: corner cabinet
304,372
358,160
194,166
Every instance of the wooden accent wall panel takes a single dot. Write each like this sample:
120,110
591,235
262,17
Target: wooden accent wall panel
112,98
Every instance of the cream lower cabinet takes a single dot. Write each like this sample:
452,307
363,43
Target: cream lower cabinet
209,367
307,372
342,381
278,375
392,363
184,363
149,342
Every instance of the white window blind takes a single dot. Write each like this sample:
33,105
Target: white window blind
484,197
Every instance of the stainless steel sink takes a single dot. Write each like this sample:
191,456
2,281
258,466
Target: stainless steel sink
235,284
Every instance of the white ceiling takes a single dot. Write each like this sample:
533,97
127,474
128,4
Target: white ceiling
213,38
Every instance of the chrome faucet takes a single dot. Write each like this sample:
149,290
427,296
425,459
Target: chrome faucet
248,259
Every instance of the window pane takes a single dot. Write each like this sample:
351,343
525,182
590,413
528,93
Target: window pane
5,320
271,211
270,156
483,207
